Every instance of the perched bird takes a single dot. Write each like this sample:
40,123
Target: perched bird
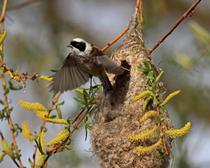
84,61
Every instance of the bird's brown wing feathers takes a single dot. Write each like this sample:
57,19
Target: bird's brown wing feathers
70,76
109,65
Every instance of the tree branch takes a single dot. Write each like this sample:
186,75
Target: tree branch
185,15
4,88
76,123
3,11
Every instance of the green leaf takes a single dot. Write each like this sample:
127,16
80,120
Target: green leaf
140,68
13,87
59,112
39,146
157,79
79,100
85,97
147,66
52,116
1,54
17,129
2,37
6,92
150,76
88,124
2,115
1,102
155,101
61,103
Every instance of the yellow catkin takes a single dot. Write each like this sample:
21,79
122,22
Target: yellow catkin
143,135
27,134
146,102
2,37
61,136
46,78
169,97
7,148
56,120
2,154
200,33
41,157
41,114
148,149
32,106
42,140
184,61
142,94
159,76
173,133
149,114
37,108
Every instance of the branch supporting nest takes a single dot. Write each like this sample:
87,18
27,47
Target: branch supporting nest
185,15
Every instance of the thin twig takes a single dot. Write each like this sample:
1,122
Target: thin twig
137,7
16,163
45,161
4,88
141,12
185,15
18,76
76,125
108,45
9,120
77,116
3,11
34,157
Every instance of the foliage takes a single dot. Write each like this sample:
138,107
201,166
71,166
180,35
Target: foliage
17,81
43,150
153,100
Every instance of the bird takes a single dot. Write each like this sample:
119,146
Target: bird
83,62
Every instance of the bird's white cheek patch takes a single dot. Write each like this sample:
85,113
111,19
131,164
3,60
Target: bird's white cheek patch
88,48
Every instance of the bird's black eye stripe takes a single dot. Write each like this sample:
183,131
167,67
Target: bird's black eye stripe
79,45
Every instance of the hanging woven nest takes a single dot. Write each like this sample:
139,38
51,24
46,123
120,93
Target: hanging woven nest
119,114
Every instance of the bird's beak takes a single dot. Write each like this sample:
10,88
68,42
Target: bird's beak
69,46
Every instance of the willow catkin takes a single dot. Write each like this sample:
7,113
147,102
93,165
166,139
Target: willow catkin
118,115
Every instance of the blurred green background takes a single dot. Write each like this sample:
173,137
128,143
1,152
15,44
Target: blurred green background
39,33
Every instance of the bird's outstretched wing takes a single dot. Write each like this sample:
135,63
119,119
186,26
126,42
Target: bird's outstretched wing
109,65
70,76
